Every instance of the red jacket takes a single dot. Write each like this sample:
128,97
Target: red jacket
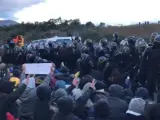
9,116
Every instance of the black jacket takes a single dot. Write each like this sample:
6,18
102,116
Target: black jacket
79,108
6,100
42,111
118,108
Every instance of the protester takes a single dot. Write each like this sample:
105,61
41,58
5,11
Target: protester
27,101
42,111
118,106
102,110
65,106
135,110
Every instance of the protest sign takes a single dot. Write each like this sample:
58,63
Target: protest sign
40,68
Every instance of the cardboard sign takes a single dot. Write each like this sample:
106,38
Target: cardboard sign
38,68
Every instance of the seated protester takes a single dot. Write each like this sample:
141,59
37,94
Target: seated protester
118,106
84,80
135,110
65,107
60,92
89,106
15,77
42,111
102,110
8,96
54,98
142,93
83,104
99,93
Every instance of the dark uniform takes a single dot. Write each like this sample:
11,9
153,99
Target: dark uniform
150,66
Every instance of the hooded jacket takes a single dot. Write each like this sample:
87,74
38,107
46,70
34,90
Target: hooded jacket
102,110
42,111
100,93
83,102
65,106
118,107
28,99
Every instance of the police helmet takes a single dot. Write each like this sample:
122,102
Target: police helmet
101,62
84,49
88,42
103,42
131,40
102,59
124,42
125,50
157,38
153,35
113,46
140,42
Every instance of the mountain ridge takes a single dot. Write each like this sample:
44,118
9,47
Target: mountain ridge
7,23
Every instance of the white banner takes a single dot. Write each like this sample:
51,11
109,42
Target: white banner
40,68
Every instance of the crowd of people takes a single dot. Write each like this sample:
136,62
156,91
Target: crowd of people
112,80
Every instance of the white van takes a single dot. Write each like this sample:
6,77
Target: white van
60,40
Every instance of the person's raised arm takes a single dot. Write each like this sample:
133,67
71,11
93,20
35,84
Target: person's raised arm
75,83
12,97
23,75
81,101
47,79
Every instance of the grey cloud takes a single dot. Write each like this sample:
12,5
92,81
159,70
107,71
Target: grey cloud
9,7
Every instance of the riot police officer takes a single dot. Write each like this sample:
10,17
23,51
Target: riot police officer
116,38
150,66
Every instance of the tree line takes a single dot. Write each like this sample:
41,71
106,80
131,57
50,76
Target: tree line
52,27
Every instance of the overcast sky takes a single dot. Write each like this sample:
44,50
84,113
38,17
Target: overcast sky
108,11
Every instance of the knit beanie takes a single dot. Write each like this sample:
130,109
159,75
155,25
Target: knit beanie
142,93
100,85
60,93
65,105
102,109
137,105
116,91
